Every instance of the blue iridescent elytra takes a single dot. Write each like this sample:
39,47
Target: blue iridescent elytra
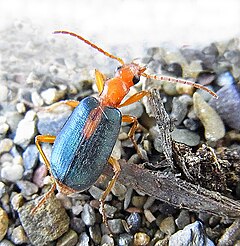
77,161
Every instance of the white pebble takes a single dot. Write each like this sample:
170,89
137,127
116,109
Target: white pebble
21,108
4,93
5,145
11,172
26,129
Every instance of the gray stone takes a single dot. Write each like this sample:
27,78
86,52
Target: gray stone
183,219
125,239
30,157
27,188
5,242
18,236
191,235
168,225
70,238
107,240
88,215
49,222
95,233
116,226
83,239
185,136
52,120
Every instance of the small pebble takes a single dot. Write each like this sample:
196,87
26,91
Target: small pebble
51,122
17,201
11,172
214,127
95,233
52,95
26,130
70,238
180,108
88,215
5,242
39,175
185,136
5,145
27,188
3,189
183,219
4,93
149,216
65,200
138,201
77,225
128,198
50,221
3,129
168,225
84,239
228,104
18,236
141,239
21,108
149,202
107,240
134,222
30,157
191,235
36,99
116,226
3,223
169,88
125,239
119,190
184,89
96,193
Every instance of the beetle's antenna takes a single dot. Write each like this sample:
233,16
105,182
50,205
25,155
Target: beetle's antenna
91,44
182,81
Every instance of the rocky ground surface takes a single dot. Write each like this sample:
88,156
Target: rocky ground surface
36,72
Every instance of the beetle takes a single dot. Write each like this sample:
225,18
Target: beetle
84,145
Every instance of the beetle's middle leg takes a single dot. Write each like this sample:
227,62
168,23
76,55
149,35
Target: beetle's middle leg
134,121
44,139
116,168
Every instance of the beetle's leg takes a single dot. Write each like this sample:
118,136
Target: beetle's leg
134,121
100,78
134,98
44,198
71,103
116,168
44,139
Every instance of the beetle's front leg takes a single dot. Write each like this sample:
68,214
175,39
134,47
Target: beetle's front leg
71,103
117,169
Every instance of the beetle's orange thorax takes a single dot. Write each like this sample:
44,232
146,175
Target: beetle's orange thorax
114,91
117,88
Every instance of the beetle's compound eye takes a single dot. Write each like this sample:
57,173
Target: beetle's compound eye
118,68
136,79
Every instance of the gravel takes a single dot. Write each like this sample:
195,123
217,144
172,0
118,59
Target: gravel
54,69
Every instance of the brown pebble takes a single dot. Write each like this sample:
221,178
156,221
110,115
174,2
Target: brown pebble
141,239
3,223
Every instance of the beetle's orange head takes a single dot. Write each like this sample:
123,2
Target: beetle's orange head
130,73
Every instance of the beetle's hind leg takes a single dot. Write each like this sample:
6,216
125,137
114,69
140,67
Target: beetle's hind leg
116,169
44,139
